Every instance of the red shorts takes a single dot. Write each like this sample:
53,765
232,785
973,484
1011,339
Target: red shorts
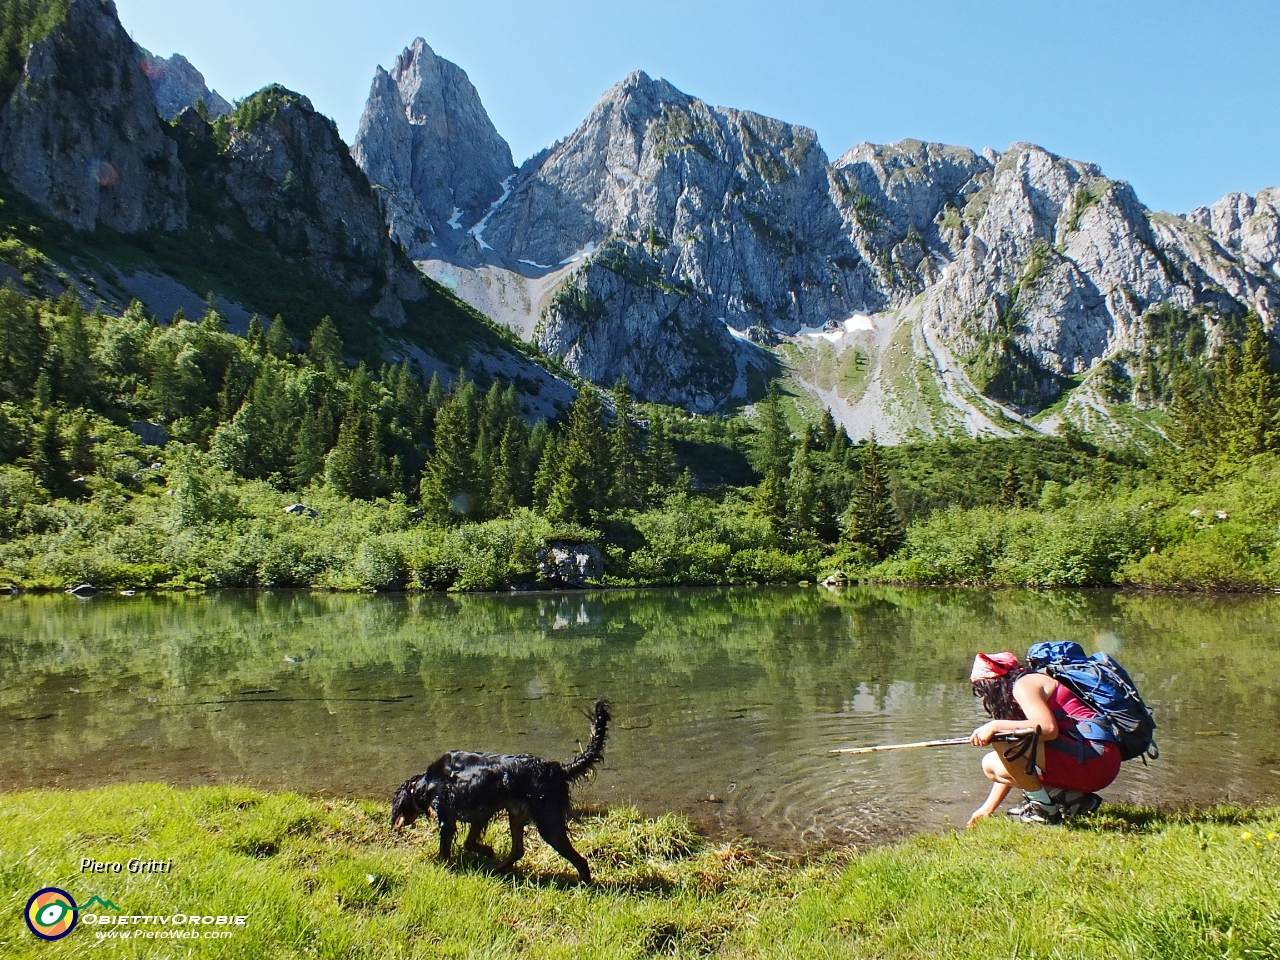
1063,769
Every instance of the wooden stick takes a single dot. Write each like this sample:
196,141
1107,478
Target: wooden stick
952,742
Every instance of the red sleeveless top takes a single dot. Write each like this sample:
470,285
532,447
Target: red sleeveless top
1066,704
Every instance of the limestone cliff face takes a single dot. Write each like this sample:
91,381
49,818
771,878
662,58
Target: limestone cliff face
714,226
426,142
1248,227
80,133
176,85
731,205
1049,267
618,317
284,167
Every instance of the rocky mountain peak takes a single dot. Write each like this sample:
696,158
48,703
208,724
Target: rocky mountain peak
176,85
1247,226
426,142
84,89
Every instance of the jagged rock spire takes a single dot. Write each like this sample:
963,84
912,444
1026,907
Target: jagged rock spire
426,142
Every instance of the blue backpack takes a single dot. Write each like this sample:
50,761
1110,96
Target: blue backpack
1105,687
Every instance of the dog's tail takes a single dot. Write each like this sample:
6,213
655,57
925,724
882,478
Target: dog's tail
583,763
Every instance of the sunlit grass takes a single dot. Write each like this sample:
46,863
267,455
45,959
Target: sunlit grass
330,879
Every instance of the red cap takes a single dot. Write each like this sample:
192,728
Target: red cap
988,666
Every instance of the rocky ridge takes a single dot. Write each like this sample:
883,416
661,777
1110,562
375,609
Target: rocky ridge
176,85
915,288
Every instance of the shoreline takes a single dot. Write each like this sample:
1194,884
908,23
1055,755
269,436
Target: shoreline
9,590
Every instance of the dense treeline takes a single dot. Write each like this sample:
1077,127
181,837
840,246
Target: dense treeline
435,485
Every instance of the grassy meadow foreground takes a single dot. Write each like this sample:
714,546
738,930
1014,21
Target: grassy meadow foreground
328,878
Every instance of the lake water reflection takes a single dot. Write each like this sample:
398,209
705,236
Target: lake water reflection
726,701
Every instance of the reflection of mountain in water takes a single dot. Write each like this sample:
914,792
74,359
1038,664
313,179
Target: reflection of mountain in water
737,694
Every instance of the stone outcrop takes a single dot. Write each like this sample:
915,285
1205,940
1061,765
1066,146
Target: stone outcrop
80,133
427,144
176,85
1050,266
731,205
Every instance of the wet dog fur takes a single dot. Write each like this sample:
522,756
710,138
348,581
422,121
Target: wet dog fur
473,788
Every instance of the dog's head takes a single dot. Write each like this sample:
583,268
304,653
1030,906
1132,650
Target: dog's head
410,802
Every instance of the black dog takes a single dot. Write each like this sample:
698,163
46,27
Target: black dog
473,787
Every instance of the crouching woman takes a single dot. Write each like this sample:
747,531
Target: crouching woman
1075,753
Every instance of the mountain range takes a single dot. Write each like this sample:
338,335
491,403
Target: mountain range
916,289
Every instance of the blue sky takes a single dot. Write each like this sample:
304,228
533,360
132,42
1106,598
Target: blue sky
1180,98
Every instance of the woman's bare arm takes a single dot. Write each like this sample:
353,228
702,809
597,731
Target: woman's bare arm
1032,693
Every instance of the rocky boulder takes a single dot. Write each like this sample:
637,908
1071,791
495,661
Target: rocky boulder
570,564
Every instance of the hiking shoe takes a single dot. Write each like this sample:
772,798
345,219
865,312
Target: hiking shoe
1074,804
1016,812
1033,811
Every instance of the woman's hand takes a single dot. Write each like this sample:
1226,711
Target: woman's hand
980,814
983,736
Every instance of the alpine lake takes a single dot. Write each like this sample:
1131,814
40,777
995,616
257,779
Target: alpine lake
727,702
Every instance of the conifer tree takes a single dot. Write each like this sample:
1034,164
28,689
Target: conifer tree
1251,396
1009,496
801,490
449,489
409,399
306,460
73,369
23,343
256,337
273,414
548,470
771,456
279,343
434,400
326,346
582,480
235,445
659,458
355,467
827,430
872,519
213,321
628,471
510,484
80,456
48,460
773,437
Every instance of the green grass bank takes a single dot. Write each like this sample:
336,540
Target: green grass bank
323,878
